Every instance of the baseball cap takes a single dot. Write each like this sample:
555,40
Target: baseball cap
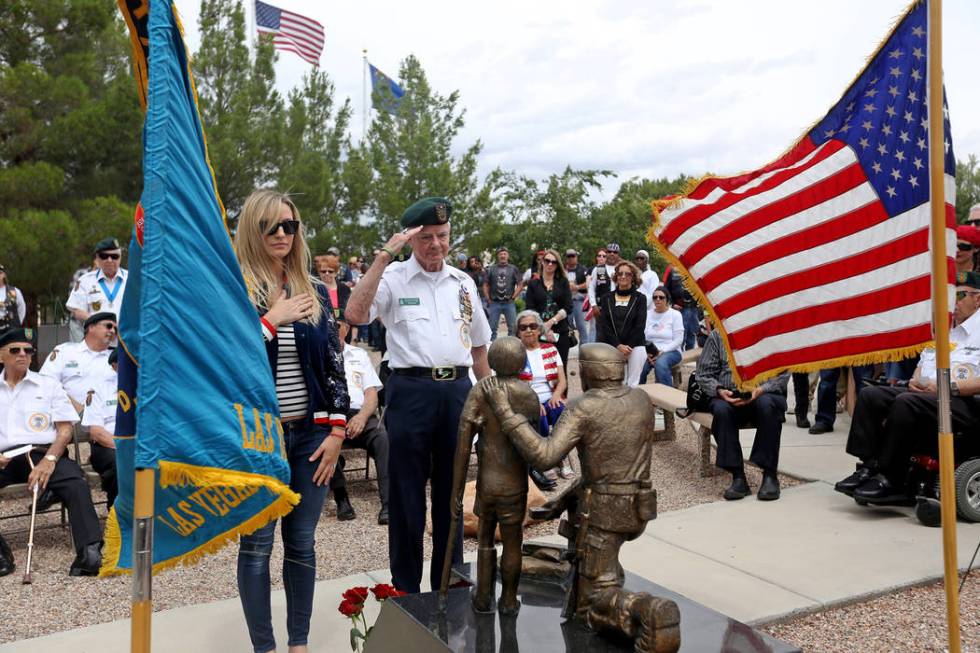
612,247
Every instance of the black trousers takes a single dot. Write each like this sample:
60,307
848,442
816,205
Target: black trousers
374,440
766,413
422,419
890,425
103,461
68,484
801,391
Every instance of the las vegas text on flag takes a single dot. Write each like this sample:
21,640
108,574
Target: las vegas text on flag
822,258
197,402
290,32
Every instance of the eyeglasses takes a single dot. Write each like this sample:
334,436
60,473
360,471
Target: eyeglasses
328,271
624,274
639,258
663,297
550,261
600,256
964,247
289,227
527,327
960,294
109,327
103,256
16,350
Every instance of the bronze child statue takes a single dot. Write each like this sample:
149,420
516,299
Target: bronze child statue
612,427
501,480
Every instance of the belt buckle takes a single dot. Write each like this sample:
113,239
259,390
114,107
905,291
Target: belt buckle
444,373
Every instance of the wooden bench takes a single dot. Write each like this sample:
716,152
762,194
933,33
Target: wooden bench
669,399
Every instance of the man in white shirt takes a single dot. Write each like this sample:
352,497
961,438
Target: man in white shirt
648,278
100,290
99,417
34,410
364,429
79,366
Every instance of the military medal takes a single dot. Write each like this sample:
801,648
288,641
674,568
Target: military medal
96,305
465,304
464,335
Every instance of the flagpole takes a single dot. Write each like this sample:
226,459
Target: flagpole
940,303
364,77
142,609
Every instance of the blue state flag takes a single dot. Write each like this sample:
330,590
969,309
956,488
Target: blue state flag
387,93
196,397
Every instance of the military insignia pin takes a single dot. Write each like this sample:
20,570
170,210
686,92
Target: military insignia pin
96,306
88,397
465,304
441,214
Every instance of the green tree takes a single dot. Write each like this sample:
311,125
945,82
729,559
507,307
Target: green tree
967,186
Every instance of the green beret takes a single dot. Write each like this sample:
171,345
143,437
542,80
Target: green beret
17,335
971,279
106,244
431,210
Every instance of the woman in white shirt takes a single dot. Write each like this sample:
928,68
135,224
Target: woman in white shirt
544,372
665,329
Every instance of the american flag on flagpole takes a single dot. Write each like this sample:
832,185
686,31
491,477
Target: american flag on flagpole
290,32
822,258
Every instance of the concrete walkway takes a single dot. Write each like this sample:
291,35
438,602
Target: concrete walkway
751,560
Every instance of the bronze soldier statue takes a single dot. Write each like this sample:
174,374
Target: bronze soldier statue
612,427
501,478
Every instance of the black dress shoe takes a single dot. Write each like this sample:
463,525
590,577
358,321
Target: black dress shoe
6,558
820,427
88,561
345,511
769,490
880,491
542,481
739,489
802,422
383,515
860,476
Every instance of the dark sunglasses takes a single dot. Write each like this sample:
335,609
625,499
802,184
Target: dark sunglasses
289,227
550,261
328,271
664,297
109,327
527,327
960,294
624,274
103,256
964,247
16,350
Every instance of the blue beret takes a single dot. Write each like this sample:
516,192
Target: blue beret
431,210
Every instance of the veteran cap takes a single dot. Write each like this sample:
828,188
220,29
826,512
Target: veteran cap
571,252
612,247
970,279
431,210
16,334
106,244
98,317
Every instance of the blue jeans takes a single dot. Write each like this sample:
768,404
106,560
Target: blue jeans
299,563
827,391
662,368
577,319
548,420
509,311
691,326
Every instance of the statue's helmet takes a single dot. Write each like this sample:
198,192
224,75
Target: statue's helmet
507,356
601,365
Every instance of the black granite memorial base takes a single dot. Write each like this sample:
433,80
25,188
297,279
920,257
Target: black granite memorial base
413,623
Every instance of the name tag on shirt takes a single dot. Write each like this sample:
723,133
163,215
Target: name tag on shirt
409,301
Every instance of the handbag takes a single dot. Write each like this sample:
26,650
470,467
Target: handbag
698,400
572,338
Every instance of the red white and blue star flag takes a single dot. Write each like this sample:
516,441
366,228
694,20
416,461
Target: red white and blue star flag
290,32
822,258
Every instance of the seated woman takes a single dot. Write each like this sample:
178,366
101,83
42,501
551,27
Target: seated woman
545,373
664,330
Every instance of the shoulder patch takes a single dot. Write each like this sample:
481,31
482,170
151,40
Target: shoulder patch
54,354
88,397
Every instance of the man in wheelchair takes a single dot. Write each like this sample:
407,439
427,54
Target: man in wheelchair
891,424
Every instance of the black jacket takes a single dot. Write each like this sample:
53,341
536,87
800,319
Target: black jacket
626,332
536,299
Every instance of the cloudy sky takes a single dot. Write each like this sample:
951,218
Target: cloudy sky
645,88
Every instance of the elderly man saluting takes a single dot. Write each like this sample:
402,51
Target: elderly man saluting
34,410
437,330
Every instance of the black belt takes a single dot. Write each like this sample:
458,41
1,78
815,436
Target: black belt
444,373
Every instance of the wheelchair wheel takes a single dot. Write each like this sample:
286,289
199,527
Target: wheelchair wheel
968,490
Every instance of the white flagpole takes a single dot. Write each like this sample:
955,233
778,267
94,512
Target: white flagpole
364,93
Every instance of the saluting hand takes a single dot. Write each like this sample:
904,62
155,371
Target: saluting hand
290,309
398,241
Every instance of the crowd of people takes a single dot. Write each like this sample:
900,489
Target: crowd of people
433,323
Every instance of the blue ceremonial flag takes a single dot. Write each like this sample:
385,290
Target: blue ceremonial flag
196,397
387,91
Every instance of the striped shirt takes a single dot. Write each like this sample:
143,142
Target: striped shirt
713,371
290,384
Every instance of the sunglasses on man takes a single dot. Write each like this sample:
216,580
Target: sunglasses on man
960,294
964,247
289,227
17,350
106,255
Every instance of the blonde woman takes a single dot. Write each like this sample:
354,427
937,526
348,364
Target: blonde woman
307,363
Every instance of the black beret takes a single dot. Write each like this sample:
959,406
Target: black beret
17,335
431,210
106,244
114,356
98,317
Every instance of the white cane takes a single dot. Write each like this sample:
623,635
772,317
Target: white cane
30,537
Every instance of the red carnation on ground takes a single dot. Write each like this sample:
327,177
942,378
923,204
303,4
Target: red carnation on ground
356,594
384,591
350,608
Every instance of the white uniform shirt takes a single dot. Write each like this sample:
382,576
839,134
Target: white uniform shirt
29,410
964,358
424,315
89,296
360,375
100,403
77,368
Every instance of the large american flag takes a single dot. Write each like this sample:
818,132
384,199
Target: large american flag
822,258
290,32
